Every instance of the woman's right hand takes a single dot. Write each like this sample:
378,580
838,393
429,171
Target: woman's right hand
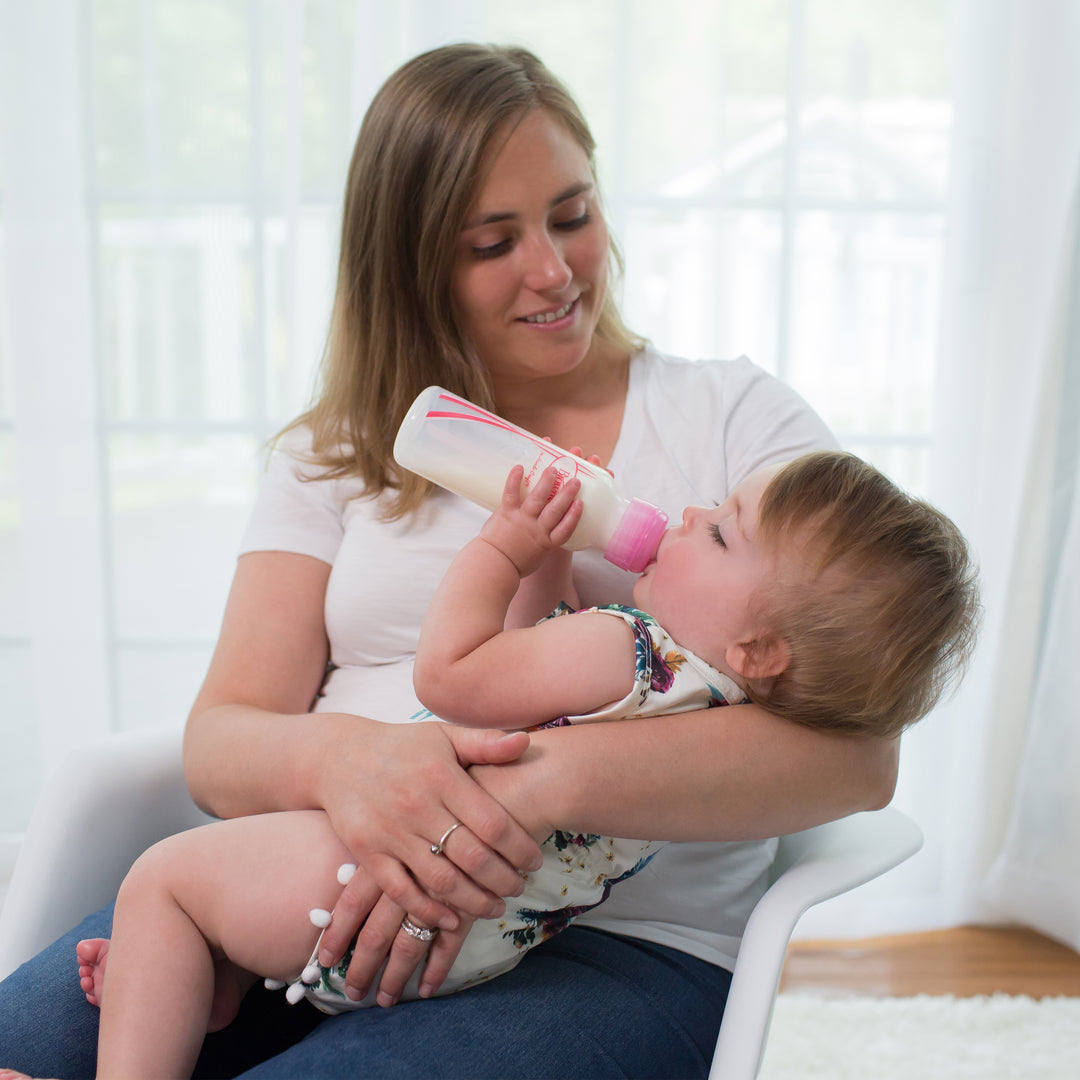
392,792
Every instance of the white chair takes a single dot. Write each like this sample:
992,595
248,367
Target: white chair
101,809
809,867
111,801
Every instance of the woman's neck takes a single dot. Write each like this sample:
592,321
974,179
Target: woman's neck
581,408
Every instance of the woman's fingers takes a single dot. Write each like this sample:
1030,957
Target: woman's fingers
470,860
372,946
353,906
440,959
487,819
409,951
444,880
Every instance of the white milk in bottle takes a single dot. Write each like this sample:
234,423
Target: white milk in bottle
470,451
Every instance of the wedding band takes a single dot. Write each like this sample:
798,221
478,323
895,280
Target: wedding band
421,933
437,849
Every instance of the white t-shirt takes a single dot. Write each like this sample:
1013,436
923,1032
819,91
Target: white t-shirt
691,431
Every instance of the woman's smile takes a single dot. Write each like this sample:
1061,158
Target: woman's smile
546,318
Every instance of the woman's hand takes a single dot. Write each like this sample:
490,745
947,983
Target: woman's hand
393,793
383,938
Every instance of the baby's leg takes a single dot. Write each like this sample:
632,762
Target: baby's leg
208,908
231,983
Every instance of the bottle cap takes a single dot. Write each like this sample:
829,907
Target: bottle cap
637,536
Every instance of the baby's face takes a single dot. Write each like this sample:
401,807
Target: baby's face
701,585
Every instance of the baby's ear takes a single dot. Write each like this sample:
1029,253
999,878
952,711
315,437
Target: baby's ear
762,657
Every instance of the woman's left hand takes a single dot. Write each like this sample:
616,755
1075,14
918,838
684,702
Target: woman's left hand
383,938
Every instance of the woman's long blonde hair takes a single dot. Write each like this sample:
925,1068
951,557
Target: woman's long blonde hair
412,178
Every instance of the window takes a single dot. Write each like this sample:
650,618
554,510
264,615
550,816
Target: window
775,172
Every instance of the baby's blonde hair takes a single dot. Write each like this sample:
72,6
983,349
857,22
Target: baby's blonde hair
878,603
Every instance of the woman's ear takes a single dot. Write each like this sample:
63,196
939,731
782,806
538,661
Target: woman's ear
762,657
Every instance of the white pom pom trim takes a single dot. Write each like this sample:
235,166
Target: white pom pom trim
320,917
345,873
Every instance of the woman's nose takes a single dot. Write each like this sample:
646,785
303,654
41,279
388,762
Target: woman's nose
547,269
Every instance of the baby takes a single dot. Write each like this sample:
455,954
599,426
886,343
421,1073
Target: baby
818,590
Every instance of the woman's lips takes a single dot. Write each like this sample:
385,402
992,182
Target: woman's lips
546,318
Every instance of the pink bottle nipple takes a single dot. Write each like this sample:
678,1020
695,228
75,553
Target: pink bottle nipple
637,536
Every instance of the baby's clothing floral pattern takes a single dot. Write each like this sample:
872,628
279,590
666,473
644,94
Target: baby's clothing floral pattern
579,870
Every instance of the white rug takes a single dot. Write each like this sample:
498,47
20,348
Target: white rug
923,1038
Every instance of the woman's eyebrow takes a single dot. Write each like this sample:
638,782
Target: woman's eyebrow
509,215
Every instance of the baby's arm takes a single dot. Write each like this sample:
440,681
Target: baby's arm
542,591
549,585
471,671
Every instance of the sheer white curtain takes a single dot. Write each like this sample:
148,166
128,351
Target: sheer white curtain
1009,341
1004,463
1036,875
874,200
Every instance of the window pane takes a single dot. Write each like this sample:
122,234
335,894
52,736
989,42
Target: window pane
713,101
704,283
177,314
577,41
878,48
863,342
301,271
876,109
173,96
179,505
327,126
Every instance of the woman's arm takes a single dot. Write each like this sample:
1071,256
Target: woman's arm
733,773
252,746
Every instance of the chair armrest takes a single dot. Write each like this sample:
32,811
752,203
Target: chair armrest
809,867
101,808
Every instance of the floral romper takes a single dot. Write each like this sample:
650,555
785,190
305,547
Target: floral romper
578,870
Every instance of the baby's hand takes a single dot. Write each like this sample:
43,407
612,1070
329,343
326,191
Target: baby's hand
526,528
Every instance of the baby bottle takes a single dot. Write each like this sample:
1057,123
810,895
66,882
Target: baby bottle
469,451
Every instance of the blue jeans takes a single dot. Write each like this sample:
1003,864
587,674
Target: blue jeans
585,1004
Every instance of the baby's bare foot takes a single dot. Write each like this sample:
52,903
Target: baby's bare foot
92,954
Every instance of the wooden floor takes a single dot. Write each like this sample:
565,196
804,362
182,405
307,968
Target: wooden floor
964,962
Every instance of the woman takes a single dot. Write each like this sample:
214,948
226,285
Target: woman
475,255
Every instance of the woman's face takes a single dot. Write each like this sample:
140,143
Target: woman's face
531,272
